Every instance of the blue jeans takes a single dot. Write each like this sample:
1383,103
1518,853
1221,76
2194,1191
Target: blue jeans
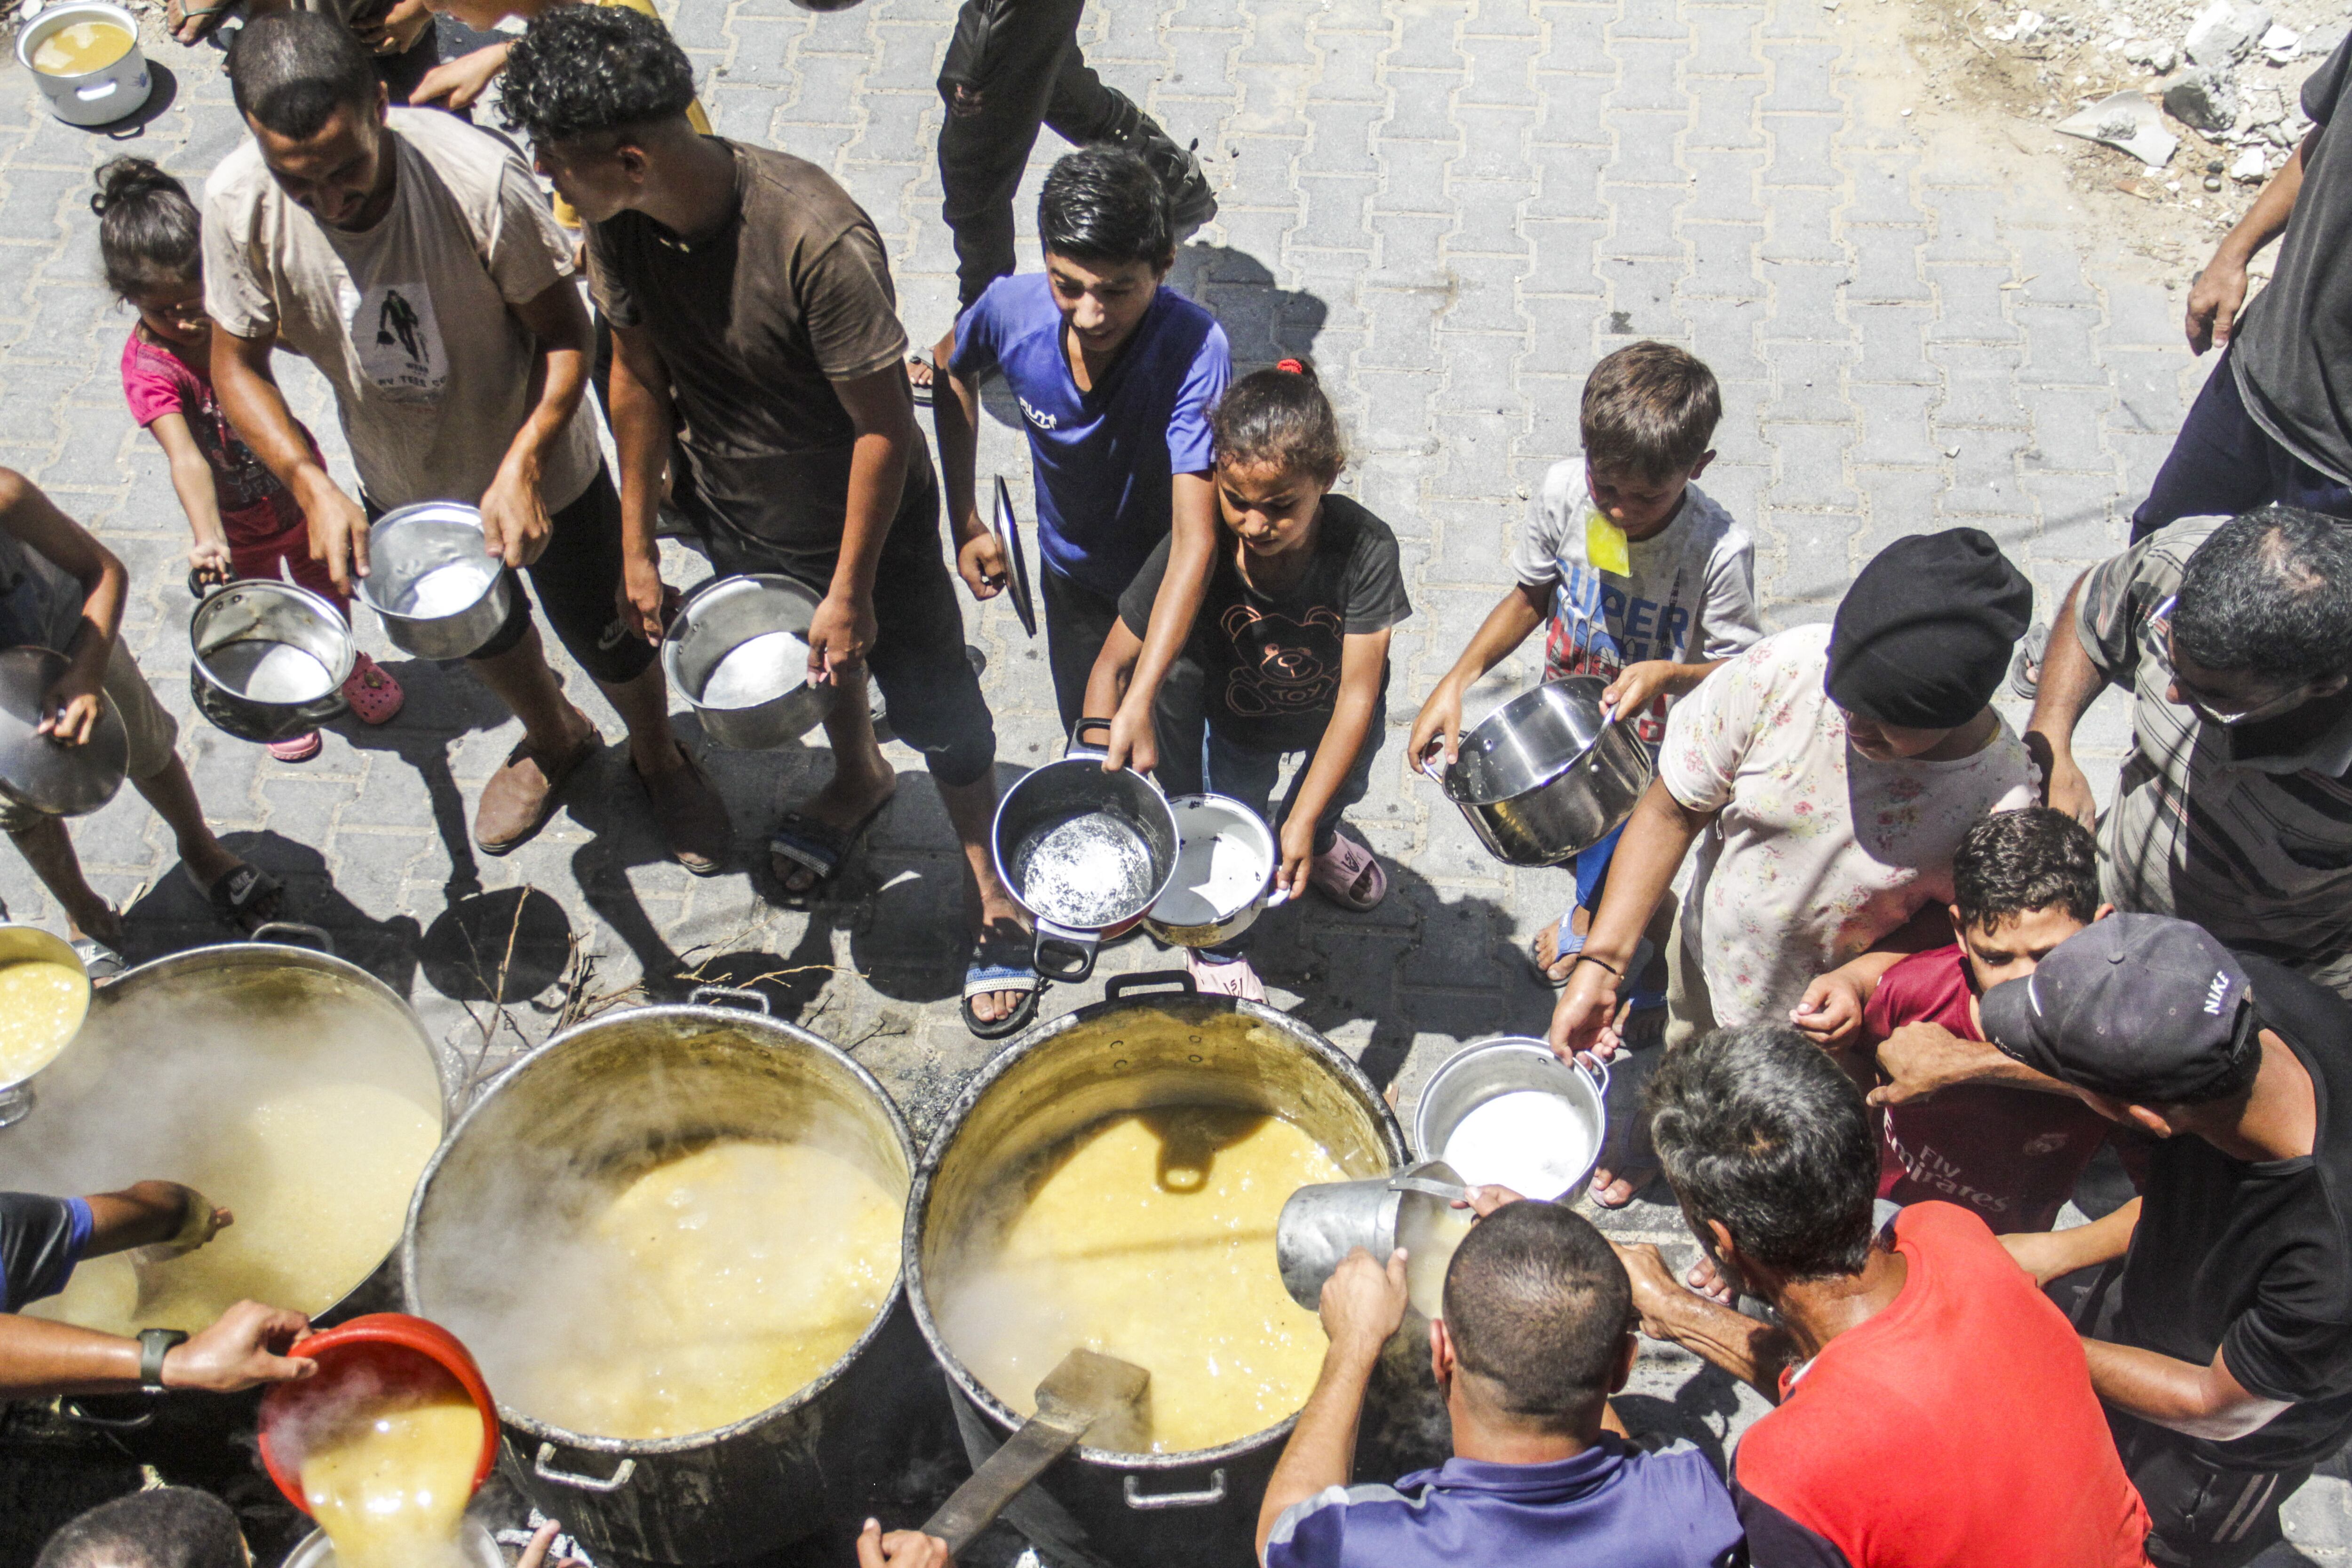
1244,773
2223,464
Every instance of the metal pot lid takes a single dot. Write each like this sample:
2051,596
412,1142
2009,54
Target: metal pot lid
37,772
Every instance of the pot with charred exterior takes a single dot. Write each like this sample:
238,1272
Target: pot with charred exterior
1215,1089
671,1164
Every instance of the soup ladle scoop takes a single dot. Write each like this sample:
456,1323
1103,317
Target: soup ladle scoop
1086,1394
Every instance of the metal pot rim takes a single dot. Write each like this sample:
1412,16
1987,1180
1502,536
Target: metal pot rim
711,588
267,585
996,846
1462,796
951,1122
708,1013
51,949
458,513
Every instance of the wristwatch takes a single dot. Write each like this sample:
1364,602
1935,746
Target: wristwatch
155,1345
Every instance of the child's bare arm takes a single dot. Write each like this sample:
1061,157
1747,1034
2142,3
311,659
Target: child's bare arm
1194,542
1363,657
1506,625
192,481
69,712
1107,686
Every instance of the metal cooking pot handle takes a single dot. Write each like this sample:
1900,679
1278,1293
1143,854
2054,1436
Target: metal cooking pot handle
1215,1494
1078,748
727,996
80,1417
1429,768
1064,954
1118,985
1597,1071
612,1483
318,935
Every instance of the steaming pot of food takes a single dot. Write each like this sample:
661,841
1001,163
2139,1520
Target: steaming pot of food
1113,1178
292,1088
670,1238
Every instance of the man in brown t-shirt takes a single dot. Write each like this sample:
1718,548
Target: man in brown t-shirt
745,288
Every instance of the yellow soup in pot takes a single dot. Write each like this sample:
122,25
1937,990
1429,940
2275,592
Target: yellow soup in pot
80,49
41,1009
388,1477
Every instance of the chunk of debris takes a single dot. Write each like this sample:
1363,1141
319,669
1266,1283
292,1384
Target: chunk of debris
2281,45
2222,33
2158,57
2203,100
2251,167
2128,121
2028,23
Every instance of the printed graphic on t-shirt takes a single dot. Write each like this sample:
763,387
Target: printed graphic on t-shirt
399,341
1282,666
1585,603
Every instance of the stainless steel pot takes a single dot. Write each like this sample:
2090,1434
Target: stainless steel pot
476,1548
1087,853
38,773
537,1143
1546,776
1096,1507
1542,1142
175,1053
267,659
737,652
1321,1225
439,593
1226,861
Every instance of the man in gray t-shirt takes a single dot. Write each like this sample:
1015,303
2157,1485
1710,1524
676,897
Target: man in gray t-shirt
2273,425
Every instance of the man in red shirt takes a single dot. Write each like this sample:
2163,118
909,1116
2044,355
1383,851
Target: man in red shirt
1969,1126
1934,1409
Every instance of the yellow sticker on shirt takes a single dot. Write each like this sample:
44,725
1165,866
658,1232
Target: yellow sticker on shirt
1604,544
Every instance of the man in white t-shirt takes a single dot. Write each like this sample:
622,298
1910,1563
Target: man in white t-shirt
414,261
1638,577
1831,771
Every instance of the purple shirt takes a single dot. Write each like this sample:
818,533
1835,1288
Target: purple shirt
1615,1503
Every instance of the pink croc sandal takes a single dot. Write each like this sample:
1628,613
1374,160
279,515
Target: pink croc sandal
373,693
1339,868
1235,979
297,748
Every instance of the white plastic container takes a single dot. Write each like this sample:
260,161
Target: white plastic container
113,91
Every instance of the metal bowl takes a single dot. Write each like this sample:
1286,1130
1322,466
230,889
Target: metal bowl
1548,1147
26,943
439,593
267,659
38,773
737,652
1547,775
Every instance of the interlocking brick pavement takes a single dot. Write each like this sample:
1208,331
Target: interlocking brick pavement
1456,206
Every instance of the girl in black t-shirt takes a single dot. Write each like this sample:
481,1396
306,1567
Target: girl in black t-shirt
1291,641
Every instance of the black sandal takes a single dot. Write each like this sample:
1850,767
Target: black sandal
1001,964
245,896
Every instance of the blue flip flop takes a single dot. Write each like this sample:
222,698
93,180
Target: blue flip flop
1001,964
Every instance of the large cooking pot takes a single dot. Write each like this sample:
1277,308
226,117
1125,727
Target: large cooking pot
267,660
431,581
1547,775
37,772
1095,1507
31,944
1087,852
174,1057
737,652
551,1133
1226,861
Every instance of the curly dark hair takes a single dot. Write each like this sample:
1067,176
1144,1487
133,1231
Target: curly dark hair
150,235
2270,592
591,71
2012,862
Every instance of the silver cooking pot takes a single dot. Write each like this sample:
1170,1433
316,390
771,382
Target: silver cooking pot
737,651
38,773
546,1136
1508,1066
438,590
1097,1508
1547,777
1087,852
1226,861
267,660
29,943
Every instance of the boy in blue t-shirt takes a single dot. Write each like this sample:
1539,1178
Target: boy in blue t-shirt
1114,373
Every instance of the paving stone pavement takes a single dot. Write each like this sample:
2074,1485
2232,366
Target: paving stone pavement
1456,206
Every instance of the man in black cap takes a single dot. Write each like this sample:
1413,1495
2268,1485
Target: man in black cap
2223,1348
1832,771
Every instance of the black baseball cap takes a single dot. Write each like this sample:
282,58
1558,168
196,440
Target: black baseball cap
2140,1008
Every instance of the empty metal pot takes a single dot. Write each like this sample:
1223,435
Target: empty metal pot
439,593
1086,852
1097,1508
1547,775
1226,861
42,773
563,1125
737,652
267,660
1506,1112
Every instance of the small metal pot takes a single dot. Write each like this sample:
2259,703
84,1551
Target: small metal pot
476,1548
738,653
1505,1066
267,660
39,773
1547,775
1215,834
1087,852
29,943
463,602
115,90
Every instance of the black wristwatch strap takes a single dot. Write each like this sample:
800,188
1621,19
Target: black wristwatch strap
155,1345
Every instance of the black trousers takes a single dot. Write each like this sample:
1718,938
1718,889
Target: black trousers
1018,65
2200,1515
1078,621
2223,464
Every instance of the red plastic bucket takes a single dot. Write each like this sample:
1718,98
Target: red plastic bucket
392,1347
